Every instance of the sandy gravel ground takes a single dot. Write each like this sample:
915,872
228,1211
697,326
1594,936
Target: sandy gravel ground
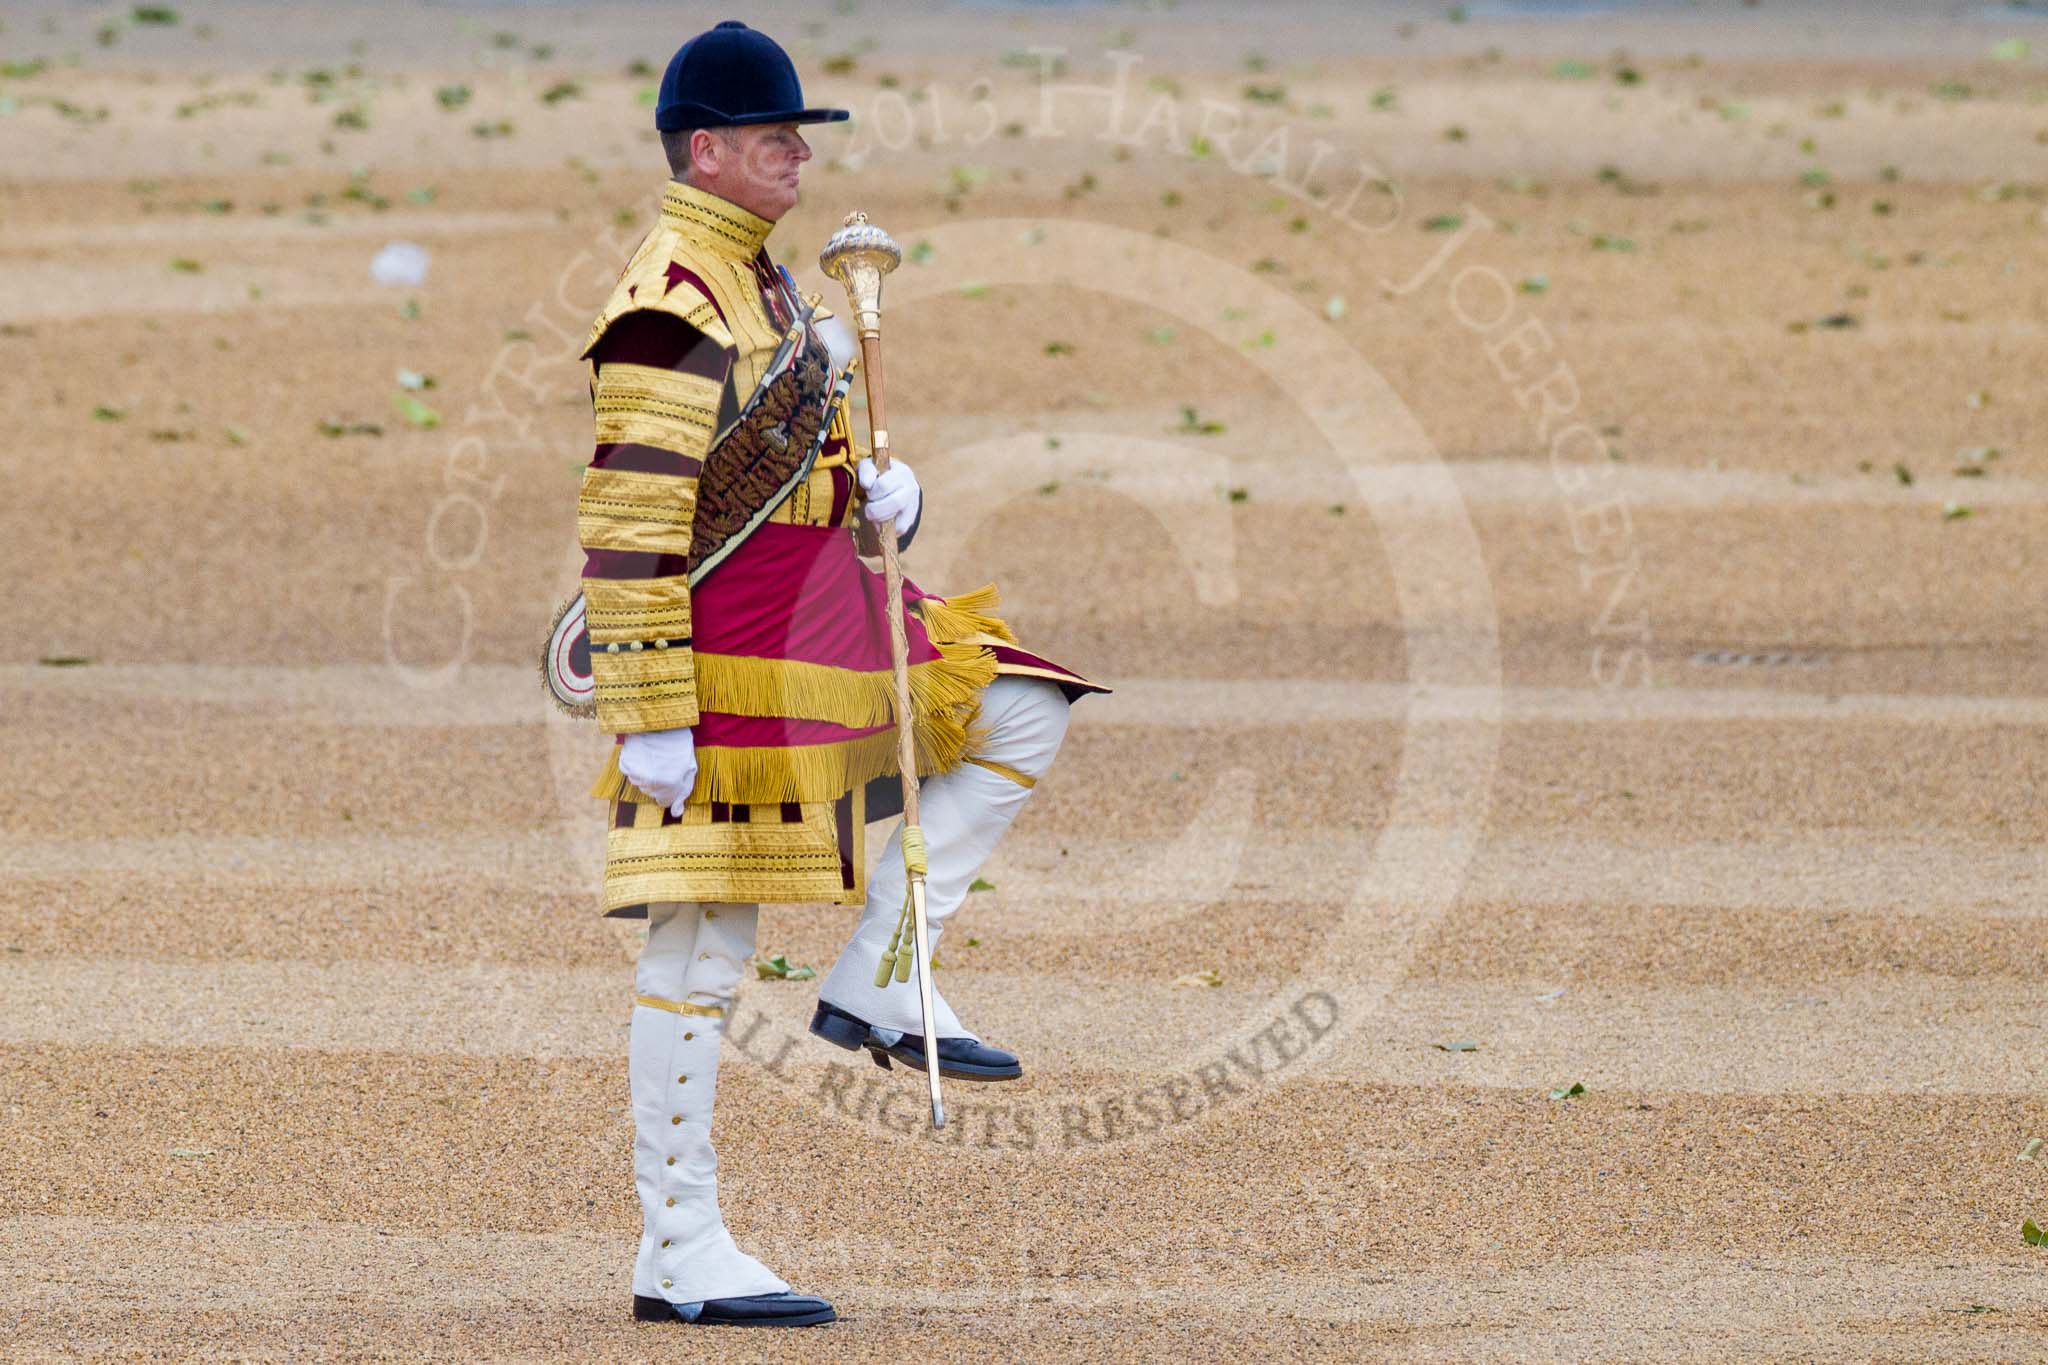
1563,500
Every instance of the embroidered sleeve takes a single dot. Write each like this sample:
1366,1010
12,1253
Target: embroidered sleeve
655,393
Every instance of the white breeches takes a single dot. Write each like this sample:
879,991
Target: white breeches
690,970
964,814
684,991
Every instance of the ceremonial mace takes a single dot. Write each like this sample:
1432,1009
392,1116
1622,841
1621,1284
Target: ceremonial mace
857,256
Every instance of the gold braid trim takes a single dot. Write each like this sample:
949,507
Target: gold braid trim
665,408
655,1002
643,689
733,232
1017,775
619,610
619,509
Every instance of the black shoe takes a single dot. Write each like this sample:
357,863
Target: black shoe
754,1310
961,1058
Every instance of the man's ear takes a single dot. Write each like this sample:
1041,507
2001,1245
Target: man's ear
706,152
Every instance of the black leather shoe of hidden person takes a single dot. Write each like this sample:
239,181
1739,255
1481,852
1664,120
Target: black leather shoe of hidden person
960,1058
754,1310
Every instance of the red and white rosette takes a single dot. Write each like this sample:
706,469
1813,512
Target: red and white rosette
565,668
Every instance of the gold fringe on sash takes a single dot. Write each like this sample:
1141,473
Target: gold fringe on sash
808,772
744,685
945,694
965,614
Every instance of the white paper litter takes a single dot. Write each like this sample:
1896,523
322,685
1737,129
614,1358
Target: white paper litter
400,263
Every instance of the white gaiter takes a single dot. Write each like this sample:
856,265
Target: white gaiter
687,978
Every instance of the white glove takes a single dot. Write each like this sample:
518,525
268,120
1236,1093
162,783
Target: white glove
892,495
662,763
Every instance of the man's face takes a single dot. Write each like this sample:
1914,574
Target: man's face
760,172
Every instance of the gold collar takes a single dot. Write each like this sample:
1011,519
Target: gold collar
719,224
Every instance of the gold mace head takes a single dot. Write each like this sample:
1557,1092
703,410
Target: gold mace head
857,256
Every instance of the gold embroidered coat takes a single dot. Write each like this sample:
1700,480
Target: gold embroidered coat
723,459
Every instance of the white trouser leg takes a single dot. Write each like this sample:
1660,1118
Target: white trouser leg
964,814
691,969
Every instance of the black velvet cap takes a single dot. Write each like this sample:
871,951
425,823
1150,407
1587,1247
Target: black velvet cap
732,75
